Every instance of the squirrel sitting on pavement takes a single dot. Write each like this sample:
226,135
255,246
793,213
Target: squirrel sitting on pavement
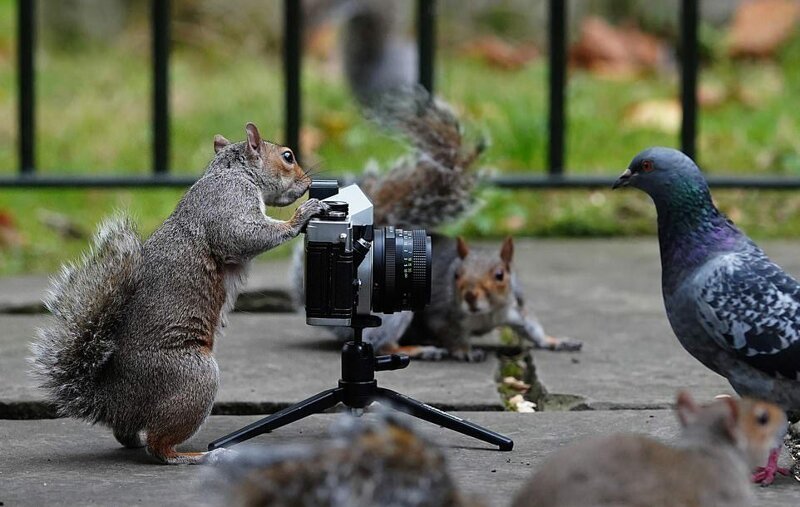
710,466
433,186
131,339
473,293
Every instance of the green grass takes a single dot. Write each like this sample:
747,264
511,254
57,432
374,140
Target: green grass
94,111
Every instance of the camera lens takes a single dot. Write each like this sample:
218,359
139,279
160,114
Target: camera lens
402,270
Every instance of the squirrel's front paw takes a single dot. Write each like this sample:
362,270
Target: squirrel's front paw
469,355
431,353
308,210
562,344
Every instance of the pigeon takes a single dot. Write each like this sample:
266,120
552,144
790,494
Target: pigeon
729,305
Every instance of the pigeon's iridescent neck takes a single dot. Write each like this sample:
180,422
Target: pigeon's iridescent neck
690,231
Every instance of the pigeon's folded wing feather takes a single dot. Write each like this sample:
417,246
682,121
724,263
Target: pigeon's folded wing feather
751,307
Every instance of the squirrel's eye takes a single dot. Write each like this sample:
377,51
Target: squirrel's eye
499,275
647,166
762,418
288,157
457,275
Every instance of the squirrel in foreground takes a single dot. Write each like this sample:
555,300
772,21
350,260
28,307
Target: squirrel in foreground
385,462
710,466
132,334
365,463
433,186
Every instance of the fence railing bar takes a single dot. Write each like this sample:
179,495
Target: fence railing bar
26,39
514,181
426,42
557,83
605,182
292,55
160,24
689,67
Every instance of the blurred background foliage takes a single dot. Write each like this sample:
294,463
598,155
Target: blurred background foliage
93,107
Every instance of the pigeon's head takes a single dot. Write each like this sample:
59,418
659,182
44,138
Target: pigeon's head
660,172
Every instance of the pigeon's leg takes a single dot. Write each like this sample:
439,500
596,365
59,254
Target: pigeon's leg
528,328
765,475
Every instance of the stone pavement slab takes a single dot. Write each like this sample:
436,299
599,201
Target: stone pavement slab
64,462
604,292
268,361
608,294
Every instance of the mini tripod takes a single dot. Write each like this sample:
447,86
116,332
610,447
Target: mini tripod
357,390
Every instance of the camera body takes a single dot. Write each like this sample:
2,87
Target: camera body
353,269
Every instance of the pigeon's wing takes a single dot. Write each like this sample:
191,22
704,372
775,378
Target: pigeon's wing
751,307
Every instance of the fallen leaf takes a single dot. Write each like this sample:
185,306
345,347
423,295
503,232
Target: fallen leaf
10,236
500,54
659,114
520,404
616,52
516,384
311,138
760,27
710,95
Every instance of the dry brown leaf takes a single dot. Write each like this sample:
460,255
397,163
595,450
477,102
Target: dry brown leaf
516,384
311,138
760,27
498,53
10,236
321,42
616,52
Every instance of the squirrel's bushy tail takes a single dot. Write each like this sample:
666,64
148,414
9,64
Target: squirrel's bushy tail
86,300
434,185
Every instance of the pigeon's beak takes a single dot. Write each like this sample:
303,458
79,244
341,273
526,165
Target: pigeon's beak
623,180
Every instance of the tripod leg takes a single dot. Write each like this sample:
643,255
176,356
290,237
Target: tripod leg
436,416
314,405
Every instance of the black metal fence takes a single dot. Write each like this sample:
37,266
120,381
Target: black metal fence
556,176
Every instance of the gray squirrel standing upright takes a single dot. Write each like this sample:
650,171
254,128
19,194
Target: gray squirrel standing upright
432,186
130,344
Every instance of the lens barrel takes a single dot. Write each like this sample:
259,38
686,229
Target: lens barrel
401,270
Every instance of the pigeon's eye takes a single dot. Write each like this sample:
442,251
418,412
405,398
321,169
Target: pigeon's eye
499,275
288,157
762,417
647,166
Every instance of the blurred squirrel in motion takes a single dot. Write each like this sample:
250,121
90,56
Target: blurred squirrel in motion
432,186
376,463
130,342
377,57
710,466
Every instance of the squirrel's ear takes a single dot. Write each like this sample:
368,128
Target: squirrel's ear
687,408
507,250
731,414
219,143
253,137
461,247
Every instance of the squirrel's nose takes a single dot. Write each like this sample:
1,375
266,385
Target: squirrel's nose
471,297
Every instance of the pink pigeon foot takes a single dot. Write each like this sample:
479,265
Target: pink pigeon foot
765,475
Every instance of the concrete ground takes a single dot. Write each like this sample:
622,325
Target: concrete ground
606,293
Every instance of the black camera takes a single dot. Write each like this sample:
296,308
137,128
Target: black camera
353,269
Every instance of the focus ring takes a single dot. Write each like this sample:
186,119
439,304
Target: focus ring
419,268
389,256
